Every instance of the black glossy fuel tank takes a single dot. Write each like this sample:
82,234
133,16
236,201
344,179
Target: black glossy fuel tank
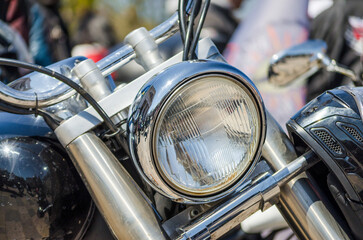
41,194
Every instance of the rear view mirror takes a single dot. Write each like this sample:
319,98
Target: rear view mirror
299,61
302,61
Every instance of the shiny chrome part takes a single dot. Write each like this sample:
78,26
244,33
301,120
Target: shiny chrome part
334,67
126,211
258,196
126,53
68,107
302,61
48,90
92,80
300,203
165,30
297,62
146,49
121,98
144,114
187,216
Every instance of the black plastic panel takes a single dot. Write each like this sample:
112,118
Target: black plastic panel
331,126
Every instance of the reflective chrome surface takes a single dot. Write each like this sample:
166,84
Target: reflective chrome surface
300,203
193,212
299,61
68,107
259,196
145,47
302,61
146,107
41,194
92,80
49,90
116,195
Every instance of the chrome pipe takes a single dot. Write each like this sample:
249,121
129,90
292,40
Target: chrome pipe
125,209
258,196
53,95
32,100
299,203
116,59
165,30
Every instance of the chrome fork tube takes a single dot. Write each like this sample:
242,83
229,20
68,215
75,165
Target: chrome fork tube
299,203
126,211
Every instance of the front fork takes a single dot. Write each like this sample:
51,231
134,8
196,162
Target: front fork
300,202
123,205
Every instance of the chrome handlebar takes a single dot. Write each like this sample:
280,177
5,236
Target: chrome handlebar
107,65
31,100
50,91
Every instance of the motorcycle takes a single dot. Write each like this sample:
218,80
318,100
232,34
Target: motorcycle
185,151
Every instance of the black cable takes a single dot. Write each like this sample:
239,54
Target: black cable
199,27
67,81
51,121
182,13
189,33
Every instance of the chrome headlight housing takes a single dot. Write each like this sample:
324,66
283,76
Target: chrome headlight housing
196,130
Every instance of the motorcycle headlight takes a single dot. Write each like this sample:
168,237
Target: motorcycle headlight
196,130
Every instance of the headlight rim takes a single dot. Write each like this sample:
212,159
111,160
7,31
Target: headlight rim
178,75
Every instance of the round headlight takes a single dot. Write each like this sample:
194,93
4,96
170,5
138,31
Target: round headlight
196,130
206,135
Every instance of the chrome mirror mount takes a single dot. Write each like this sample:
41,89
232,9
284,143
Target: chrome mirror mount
301,61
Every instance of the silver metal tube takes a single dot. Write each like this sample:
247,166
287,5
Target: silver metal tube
47,97
258,196
165,30
30,100
115,60
334,67
299,203
116,195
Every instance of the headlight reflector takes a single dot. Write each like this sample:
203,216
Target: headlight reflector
206,136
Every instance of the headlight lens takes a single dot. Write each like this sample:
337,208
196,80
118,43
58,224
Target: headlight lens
206,135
